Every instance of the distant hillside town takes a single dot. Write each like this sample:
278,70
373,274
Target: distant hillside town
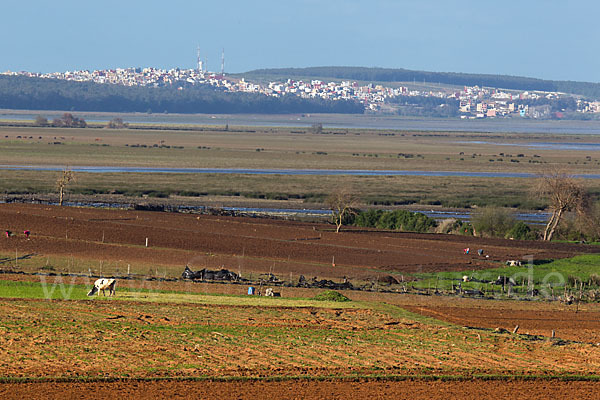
469,102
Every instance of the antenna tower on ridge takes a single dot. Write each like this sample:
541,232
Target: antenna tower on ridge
223,63
199,61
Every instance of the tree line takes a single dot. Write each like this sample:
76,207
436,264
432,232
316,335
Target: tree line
20,92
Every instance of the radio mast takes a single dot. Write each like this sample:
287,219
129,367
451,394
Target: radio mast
199,61
223,63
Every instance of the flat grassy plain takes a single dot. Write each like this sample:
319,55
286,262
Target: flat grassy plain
286,189
295,148
291,148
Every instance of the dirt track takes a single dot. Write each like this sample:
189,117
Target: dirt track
253,244
476,390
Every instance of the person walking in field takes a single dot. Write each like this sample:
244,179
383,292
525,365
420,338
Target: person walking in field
27,233
7,233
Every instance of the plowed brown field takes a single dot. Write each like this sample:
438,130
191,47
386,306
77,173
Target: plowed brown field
467,390
131,339
569,323
256,245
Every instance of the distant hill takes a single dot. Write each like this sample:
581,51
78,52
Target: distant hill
25,93
586,89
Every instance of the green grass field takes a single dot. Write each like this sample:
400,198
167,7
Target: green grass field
61,288
556,274
550,278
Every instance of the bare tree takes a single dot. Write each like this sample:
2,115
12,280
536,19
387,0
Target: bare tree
316,128
565,194
69,121
117,123
40,120
67,176
342,204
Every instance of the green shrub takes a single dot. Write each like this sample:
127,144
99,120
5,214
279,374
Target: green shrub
521,231
493,221
595,279
570,229
368,219
331,295
455,226
395,220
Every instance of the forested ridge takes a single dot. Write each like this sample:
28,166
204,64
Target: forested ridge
587,89
20,92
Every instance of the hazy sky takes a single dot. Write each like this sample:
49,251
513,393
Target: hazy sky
538,38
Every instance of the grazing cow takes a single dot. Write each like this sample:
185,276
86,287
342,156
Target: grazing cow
568,299
505,280
513,263
102,285
269,292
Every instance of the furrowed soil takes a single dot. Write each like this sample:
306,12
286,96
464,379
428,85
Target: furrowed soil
247,245
568,322
125,339
389,334
468,390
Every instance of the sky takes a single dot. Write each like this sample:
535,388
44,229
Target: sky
545,39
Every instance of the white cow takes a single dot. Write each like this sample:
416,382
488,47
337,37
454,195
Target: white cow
513,263
102,285
271,293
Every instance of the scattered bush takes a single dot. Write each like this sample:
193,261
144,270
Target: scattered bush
573,280
69,121
331,295
493,222
570,229
454,226
395,220
40,120
316,128
117,123
594,280
521,231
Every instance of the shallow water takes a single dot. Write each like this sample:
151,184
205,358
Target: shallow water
266,171
492,125
463,215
